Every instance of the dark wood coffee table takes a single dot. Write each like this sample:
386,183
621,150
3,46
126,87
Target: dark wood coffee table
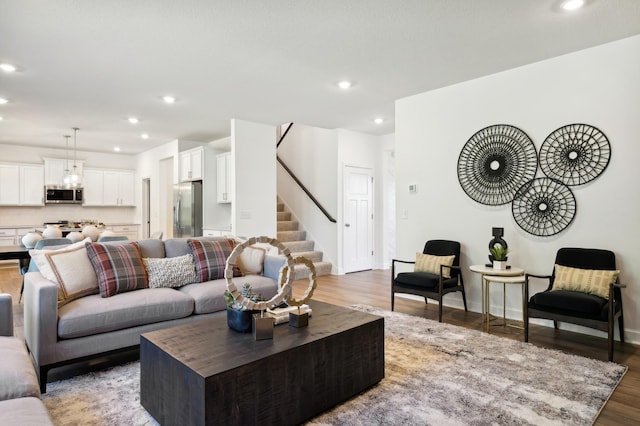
205,373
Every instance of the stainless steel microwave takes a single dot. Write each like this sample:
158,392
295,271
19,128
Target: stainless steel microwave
58,195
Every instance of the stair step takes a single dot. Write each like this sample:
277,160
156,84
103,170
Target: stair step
302,272
291,235
299,246
284,216
287,225
314,256
279,207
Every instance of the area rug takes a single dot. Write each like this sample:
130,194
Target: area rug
435,374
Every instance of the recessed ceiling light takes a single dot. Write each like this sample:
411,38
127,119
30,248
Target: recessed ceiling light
1,118
116,148
168,99
344,85
572,4
144,136
378,120
7,67
3,101
133,120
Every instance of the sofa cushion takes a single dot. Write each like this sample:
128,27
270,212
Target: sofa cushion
179,247
119,267
94,314
211,258
74,274
17,375
170,271
209,296
148,247
29,411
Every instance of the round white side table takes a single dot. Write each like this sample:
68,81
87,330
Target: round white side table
513,275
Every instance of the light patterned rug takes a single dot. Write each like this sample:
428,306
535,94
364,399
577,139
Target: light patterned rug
435,374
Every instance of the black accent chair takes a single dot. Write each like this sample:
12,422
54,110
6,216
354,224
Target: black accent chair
428,285
575,307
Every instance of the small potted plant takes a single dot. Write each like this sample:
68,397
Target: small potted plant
499,255
239,318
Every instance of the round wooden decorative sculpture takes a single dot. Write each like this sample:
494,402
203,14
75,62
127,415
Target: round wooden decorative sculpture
575,154
495,162
544,207
284,283
289,299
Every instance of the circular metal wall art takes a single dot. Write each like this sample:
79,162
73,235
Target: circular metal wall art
495,162
544,207
575,154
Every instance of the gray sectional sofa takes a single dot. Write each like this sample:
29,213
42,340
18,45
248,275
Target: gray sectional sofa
92,325
20,402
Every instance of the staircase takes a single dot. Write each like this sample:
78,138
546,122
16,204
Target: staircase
295,240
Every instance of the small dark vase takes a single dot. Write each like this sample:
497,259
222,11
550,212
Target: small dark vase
240,321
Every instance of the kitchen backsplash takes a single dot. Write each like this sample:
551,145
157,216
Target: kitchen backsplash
31,216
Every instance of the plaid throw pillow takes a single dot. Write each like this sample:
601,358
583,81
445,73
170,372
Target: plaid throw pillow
119,267
211,258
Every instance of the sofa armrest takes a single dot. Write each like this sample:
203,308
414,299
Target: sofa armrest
40,317
272,265
6,315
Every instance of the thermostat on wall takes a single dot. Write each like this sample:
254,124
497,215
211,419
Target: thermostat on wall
413,188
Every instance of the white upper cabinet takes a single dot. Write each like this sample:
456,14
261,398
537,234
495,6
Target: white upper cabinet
32,185
109,187
224,178
191,164
21,185
54,169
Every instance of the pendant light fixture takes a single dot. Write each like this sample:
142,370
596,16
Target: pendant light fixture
76,179
66,179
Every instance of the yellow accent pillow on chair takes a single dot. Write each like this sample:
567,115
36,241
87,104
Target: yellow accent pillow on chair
431,263
591,281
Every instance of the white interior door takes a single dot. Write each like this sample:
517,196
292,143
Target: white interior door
358,219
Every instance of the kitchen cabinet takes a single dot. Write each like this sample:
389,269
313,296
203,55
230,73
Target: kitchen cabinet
32,185
224,177
215,233
131,231
103,187
54,169
191,164
21,185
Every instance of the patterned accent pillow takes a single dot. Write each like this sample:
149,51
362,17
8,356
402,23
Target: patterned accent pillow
119,267
211,258
170,271
431,263
590,281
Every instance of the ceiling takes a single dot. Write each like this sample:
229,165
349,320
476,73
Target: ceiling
92,64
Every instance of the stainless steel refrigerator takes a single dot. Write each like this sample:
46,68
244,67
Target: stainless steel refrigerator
187,210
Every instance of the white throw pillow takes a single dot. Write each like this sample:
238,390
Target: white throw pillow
38,256
251,260
74,273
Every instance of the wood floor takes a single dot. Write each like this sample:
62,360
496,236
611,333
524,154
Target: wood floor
373,288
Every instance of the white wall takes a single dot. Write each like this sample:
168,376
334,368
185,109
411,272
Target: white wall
312,154
160,166
598,86
253,211
386,205
318,157
31,216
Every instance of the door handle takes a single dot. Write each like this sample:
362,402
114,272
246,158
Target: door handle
347,225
